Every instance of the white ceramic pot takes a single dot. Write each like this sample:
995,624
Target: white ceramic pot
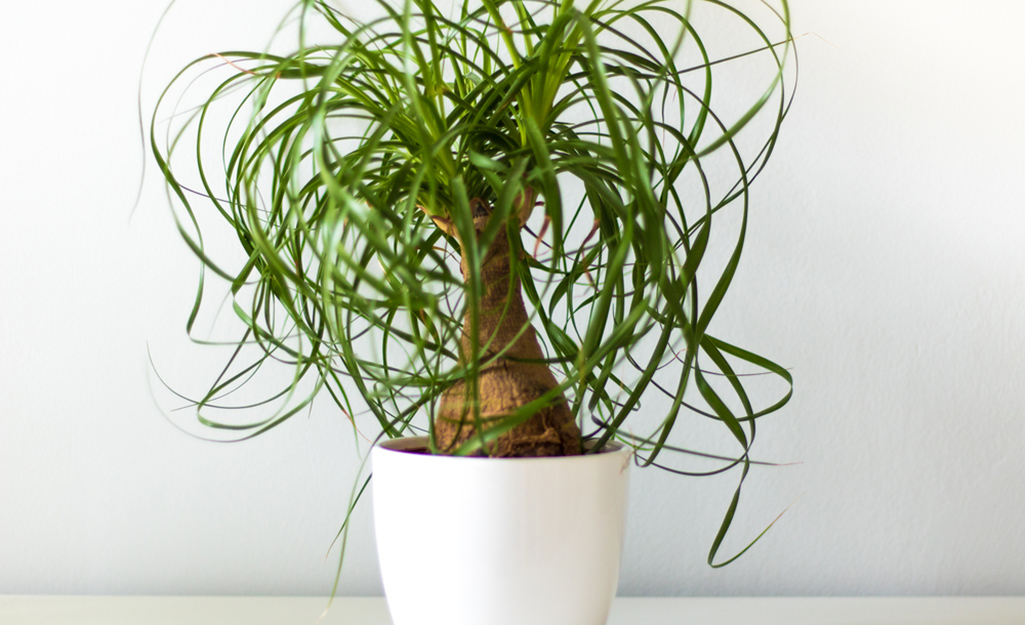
485,541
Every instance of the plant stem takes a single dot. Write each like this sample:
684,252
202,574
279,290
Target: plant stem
511,374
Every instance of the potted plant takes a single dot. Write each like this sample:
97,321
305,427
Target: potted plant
484,226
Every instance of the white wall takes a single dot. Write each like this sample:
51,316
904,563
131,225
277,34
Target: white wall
885,266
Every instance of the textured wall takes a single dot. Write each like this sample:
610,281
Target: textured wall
885,266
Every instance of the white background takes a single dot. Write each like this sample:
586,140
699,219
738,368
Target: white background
885,266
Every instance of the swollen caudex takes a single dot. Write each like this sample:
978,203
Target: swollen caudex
512,372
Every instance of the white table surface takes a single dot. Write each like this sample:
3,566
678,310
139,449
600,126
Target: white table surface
137,610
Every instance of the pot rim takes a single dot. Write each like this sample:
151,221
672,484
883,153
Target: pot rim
407,443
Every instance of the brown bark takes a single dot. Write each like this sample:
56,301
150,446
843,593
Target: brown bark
512,372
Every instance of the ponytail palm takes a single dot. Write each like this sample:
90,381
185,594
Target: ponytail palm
485,222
